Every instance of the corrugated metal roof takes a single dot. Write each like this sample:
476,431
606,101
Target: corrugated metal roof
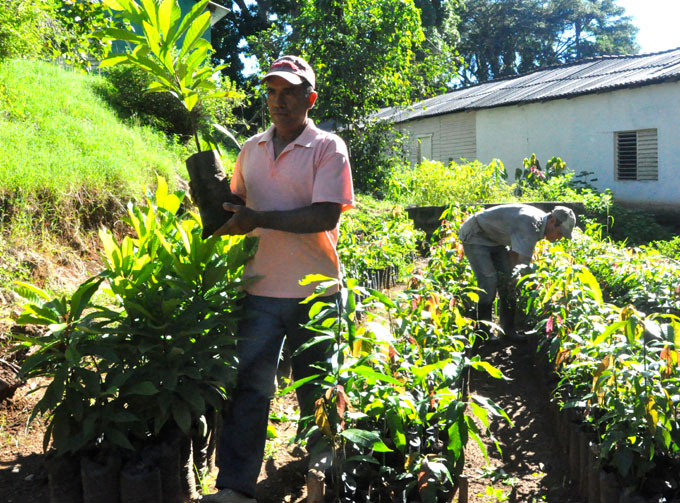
596,75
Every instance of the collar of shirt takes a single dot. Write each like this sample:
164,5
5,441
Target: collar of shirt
305,139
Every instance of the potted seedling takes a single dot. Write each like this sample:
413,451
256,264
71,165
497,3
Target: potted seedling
171,49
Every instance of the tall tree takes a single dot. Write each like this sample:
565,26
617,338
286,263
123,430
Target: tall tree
506,37
367,54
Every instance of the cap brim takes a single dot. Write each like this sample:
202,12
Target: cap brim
290,77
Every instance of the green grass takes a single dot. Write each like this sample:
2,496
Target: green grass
57,135
68,163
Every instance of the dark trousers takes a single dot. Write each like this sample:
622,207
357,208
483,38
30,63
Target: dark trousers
267,322
491,265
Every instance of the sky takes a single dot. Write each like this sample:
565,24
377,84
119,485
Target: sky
657,21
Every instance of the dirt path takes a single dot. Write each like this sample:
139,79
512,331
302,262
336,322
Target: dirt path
532,467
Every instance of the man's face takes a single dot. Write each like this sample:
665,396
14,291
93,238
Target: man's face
287,103
553,231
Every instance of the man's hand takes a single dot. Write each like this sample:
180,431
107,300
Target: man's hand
242,222
519,271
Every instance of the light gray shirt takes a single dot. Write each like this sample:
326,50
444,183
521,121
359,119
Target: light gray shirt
518,226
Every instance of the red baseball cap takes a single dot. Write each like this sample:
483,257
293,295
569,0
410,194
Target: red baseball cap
292,68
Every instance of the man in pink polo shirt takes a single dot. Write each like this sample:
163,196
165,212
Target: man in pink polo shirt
295,180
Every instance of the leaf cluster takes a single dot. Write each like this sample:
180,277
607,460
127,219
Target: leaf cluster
147,344
616,365
501,38
394,406
172,49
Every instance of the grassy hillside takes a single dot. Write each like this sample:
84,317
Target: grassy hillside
67,162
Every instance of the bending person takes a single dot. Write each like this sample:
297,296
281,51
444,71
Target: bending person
497,240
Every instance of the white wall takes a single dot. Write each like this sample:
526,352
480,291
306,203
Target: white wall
453,136
581,131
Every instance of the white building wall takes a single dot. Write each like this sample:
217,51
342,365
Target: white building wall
581,130
453,136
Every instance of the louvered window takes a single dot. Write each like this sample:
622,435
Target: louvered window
637,156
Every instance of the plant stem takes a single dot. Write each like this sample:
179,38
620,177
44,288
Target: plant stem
198,143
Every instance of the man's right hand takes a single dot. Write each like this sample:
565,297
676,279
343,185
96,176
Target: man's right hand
242,221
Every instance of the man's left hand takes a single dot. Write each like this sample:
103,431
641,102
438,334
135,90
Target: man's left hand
242,222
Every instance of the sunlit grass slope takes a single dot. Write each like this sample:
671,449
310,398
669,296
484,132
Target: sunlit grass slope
63,151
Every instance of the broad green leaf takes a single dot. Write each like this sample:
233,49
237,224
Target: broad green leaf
81,298
117,437
421,372
151,10
586,278
383,298
396,426
120,34
165,12
190,100
30,292
113,4
175,22
181,415
368,439
153,38
614,327
490,369
193,34
370,374
144,388
115,60
297,384
196,11
197,57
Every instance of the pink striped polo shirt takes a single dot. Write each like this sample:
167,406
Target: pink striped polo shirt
311,169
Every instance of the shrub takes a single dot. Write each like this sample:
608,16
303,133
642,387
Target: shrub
162,110
433,183
26,28
373,150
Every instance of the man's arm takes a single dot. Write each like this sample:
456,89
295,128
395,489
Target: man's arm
317,217
516,259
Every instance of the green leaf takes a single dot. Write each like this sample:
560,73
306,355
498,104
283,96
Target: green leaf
586,278
297,384
144,388
171,35
120,34
618,325
192,395
195,24
30,292
369,373
368,439
115,60
424,371
181,415
81,297
165,16
490,369
383,298
396,426
116,437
